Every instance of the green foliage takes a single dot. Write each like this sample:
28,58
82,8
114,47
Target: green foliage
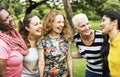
42,12
93,8
111,5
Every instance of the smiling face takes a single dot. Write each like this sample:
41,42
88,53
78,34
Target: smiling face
106,25
34,27
58,24
84,27
6,21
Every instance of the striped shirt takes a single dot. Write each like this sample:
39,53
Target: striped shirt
91,52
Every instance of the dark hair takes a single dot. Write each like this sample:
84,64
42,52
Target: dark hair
104,55
21,27
113,15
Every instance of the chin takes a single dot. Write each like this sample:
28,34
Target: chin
88,33
58,32
104,32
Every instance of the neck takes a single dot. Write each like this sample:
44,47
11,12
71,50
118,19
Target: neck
54,35
113,34
32,38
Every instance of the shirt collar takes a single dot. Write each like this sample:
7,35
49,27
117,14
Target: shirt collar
115,42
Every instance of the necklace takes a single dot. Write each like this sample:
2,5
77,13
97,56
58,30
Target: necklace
54,37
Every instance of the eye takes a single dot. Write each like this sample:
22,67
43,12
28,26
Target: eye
82,26
87,24
7,18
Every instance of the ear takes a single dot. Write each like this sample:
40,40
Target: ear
115,22
27,28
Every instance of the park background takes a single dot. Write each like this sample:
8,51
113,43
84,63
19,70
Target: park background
94,9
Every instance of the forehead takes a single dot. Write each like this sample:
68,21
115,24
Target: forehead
59,17
104,16
83,21
34,18
3,14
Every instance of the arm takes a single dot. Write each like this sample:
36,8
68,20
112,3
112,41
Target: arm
76,55
41,63
69,60
3,68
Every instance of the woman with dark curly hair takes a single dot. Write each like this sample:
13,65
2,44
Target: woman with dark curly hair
12,46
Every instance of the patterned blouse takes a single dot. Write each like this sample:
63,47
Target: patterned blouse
55,57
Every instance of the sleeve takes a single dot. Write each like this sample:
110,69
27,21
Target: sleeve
40,43
4,49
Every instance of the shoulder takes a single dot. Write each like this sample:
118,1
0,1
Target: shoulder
76,35
98,32
42,41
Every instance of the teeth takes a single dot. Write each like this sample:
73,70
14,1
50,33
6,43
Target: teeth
12,23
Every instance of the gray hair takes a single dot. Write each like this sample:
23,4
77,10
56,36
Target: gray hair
76,19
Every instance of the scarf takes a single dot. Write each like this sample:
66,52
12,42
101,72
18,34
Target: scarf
15,41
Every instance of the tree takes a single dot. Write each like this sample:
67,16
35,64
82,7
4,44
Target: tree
33,5
68,10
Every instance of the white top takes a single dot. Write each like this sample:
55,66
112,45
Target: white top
30,62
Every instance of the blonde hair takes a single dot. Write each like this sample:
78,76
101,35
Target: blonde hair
48,21
76,19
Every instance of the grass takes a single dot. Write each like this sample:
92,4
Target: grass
79,65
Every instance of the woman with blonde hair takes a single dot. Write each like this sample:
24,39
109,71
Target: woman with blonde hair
54,48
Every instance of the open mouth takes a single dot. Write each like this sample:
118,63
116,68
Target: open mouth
60,29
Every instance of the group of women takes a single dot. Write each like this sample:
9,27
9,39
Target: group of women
44,49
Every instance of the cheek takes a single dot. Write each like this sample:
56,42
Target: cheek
54,28
4,27
79,30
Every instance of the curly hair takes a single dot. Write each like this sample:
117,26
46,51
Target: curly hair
48,22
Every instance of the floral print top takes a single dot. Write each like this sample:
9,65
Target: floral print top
55,57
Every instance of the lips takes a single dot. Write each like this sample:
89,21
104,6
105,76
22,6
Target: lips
60,29
12,24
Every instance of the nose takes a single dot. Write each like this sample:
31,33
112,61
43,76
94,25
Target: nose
40,25
87,26
101,24
10,18
62,24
